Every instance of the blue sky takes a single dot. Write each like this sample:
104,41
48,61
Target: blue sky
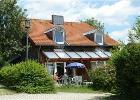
118,16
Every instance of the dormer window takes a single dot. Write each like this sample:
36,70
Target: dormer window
99,38
96,36
59,37
58,32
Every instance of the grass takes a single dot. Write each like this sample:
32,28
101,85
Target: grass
5,91
64,88
77,89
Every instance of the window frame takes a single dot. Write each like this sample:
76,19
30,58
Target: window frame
54,37
48,67
96,39
95,64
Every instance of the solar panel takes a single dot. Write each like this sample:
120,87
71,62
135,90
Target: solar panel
57,20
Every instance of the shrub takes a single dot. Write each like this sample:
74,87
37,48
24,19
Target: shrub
103,78
29,77
127,63
2,60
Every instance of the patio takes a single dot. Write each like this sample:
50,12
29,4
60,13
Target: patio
72,79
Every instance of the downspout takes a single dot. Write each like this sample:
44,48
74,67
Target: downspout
39,53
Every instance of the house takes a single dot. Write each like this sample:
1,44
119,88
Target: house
56,43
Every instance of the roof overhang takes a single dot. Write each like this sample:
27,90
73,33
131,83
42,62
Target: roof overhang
89,32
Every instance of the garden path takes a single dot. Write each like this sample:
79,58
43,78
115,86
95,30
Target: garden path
58,96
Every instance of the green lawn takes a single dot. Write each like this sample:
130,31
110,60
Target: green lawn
77,89
5,91
71,89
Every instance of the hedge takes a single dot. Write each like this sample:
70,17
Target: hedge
28,77
127,63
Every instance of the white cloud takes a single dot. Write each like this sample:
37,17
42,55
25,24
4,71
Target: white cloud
116,14
74,10
45,8
120,35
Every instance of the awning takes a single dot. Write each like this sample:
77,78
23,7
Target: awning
77,55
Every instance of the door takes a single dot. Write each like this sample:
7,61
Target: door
60,69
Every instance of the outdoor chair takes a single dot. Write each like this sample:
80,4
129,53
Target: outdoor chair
78,80
64,80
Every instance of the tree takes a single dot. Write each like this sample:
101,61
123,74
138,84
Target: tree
93,22
127,65
134,34
11,30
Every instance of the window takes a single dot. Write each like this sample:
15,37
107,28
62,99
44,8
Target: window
59,37
93,64
100,64
50,67
99,38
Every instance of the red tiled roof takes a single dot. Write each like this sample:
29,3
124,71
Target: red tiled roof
74,33
73,30
109,41
36,34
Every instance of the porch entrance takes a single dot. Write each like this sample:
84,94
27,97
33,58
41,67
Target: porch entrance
60,68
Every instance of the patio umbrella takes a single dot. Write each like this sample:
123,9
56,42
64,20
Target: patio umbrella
75,65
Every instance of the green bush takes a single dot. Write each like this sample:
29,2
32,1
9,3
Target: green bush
103,78
2,60
127,63
29,77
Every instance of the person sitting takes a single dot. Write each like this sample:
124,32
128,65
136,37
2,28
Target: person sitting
56,77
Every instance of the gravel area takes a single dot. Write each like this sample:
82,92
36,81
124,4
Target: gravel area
58,96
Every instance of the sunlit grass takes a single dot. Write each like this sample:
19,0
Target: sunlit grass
77,89
5,91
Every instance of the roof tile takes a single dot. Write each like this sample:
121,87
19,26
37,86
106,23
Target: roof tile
73,30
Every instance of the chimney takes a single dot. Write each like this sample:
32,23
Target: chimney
57,20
